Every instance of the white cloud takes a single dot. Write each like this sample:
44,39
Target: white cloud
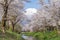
30,11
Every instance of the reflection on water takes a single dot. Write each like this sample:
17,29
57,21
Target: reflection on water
28,37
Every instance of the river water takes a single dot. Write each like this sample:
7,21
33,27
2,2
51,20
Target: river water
28,37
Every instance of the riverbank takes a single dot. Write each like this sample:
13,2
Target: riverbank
10,36
43,35
30,35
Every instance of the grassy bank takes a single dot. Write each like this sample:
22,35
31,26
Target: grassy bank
38,35
44,35
10,36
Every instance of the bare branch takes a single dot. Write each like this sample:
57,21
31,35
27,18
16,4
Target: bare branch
10,2
2,4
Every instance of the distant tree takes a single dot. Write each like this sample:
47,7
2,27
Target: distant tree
15,19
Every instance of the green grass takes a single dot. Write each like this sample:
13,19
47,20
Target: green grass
44,35
38,35
10,36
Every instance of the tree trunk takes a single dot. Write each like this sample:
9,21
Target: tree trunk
13,28
4,18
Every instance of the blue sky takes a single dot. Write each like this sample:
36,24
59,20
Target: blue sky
32,4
